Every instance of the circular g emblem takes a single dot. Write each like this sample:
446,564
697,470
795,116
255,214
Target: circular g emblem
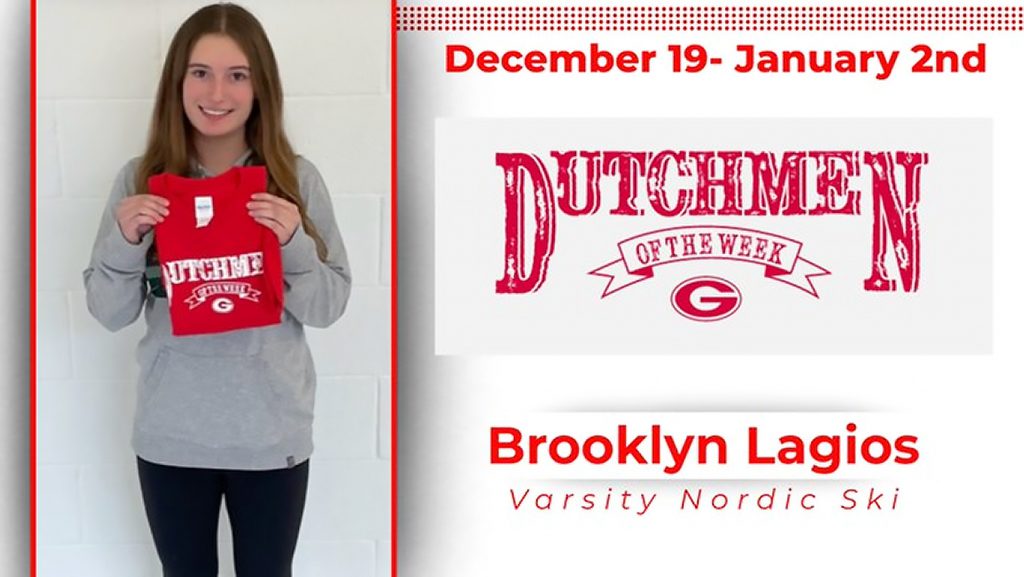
222,305
706,298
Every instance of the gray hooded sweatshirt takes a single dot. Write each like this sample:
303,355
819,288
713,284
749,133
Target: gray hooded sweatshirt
235,400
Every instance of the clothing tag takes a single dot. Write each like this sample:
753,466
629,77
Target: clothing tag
204,210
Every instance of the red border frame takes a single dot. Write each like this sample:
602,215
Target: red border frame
32,292
394,287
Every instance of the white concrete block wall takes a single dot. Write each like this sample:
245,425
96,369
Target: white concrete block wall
98,64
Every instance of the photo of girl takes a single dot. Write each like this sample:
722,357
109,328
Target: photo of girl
230,415
227,243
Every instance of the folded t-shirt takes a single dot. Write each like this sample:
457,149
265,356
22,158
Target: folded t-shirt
221,269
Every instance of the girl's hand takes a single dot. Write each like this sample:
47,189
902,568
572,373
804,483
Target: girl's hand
137,214
275,213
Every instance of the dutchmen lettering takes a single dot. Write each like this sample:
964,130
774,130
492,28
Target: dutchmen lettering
213,269
682,184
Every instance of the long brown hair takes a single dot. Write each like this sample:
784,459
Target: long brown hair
169,145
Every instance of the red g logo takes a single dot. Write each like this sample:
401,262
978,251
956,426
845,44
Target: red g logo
706,298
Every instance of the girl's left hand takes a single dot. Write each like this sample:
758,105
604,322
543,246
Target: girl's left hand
275,213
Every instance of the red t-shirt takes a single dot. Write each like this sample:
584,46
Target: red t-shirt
221,269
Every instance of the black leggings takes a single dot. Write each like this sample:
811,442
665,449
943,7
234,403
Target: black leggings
183,508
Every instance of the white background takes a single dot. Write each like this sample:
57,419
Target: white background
98,65
959,511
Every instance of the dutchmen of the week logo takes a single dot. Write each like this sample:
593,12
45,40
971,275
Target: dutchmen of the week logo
219,277
692,194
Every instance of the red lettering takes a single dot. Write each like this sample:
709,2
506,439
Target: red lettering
588,449
498,445
556,454
865,450
656,183
717,170
631,167
569,201
452,55
487,61
518,277
752,456
834,170
895,218
630,449
777,190
908,452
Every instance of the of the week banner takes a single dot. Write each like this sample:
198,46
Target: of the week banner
716,289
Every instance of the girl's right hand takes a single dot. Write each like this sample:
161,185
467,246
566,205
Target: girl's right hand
137,214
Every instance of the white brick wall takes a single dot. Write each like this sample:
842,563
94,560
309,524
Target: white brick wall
98,64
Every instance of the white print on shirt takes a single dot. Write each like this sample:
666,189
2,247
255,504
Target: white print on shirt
242,290
213,269
217,275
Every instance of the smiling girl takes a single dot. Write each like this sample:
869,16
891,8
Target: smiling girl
223,416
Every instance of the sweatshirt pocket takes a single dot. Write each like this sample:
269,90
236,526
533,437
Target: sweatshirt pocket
213,401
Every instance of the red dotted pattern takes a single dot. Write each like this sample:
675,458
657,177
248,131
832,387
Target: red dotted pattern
709,18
